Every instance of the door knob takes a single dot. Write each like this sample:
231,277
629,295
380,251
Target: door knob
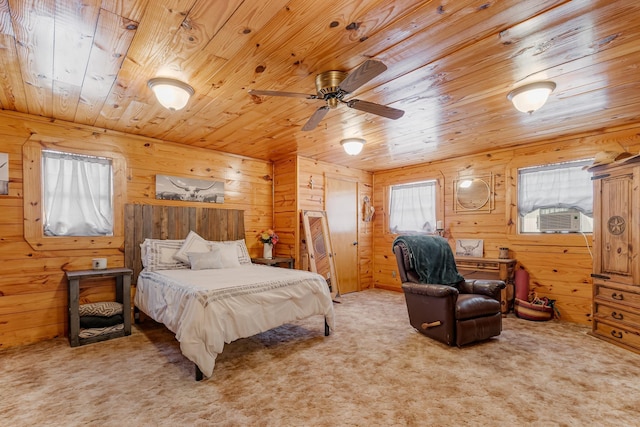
355,243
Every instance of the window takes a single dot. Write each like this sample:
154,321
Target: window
555,198
413,207
95,230
77,194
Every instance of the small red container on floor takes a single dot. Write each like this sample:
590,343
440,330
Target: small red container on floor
522,284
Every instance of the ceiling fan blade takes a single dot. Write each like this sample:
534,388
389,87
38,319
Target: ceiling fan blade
380,110
277,93
365,72
315,118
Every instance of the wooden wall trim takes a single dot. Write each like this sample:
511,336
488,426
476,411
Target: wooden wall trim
33,198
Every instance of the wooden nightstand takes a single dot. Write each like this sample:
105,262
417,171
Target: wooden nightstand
123,296
275,261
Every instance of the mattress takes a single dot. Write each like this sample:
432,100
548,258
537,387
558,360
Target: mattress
208,308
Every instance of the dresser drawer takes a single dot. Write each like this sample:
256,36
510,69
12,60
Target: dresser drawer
619,294
617,315
479,274
477,265
616,334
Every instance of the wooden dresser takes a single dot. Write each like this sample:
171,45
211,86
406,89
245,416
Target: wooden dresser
491,268
616,265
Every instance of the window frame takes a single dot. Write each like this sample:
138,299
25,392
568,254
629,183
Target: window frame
555,166
33,198
439,192
511,198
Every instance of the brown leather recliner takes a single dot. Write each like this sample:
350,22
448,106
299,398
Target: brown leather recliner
461,314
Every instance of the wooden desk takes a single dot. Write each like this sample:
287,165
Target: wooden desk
123,296
275,261
491,268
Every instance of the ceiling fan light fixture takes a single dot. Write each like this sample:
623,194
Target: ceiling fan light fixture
171,93
352,146
332,86
530,97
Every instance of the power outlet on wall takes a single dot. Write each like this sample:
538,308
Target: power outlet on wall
393,274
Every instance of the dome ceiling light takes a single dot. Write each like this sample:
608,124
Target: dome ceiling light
172,94
530,97
352,146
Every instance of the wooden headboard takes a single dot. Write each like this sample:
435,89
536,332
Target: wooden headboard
175,222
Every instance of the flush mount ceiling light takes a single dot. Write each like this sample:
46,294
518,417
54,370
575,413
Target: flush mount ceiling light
172,94
529,98
352,146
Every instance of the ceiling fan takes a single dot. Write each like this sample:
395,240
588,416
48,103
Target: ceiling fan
333,86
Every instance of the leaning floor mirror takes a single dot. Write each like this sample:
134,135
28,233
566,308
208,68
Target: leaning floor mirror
318,243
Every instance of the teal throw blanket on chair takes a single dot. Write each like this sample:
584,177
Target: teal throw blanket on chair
432,258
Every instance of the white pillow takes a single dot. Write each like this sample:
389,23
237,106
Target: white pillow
144,247
228,256
159,254
192,244
205,260
243,252
241,249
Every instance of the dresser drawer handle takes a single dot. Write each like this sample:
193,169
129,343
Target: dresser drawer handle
616,334
617,316
617,296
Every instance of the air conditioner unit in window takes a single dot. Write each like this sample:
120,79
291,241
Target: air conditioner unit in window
567,220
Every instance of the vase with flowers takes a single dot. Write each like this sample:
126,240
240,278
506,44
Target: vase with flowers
269,238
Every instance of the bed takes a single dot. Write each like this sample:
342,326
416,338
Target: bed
217,296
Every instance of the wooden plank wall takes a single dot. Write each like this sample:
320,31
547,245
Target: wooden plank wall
285,208
559,265
300,185
33,291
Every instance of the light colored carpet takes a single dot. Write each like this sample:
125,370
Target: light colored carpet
374,370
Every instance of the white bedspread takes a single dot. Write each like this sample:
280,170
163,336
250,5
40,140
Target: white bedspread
208,308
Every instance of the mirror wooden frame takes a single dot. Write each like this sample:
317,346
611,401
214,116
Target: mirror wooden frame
469,202
318,243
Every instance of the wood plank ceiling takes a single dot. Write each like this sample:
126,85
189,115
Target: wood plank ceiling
450,66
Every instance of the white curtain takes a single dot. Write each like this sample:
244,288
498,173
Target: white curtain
413,207
78,195
555,186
